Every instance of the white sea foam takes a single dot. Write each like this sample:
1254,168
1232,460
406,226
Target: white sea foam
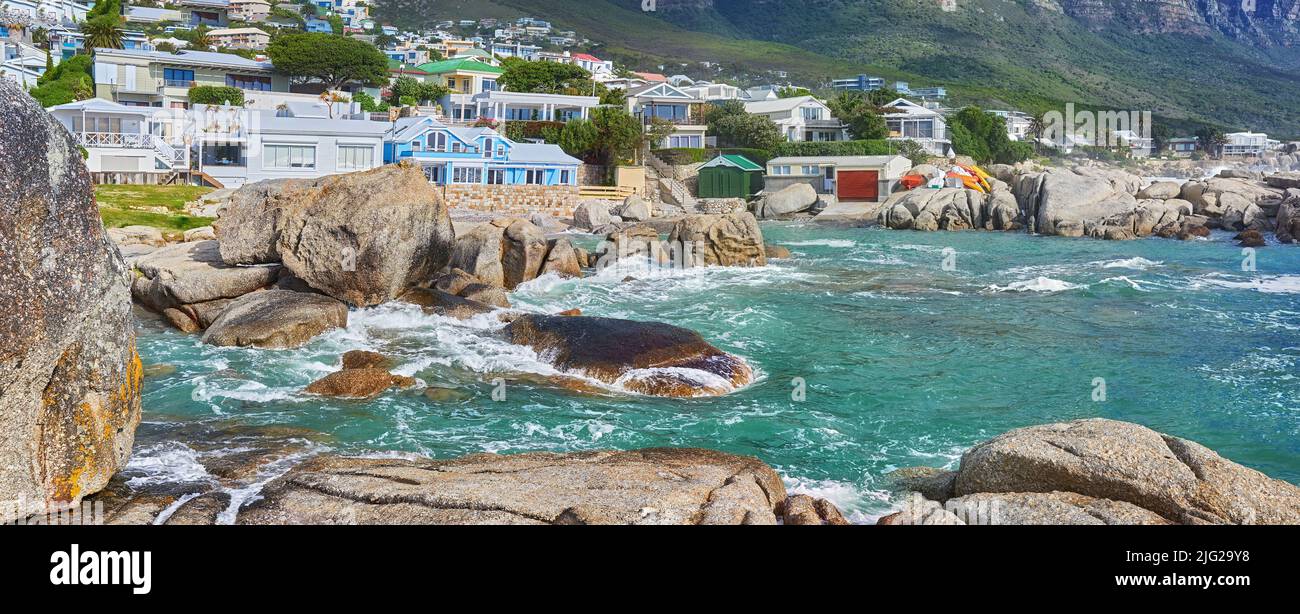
1125,280
252,491
859,505
1268,284
703,379
1137,263
821,243
165,463
1038,284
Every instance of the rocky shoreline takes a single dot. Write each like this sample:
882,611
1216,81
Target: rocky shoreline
290,260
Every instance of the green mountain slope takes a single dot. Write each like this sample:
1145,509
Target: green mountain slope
993,52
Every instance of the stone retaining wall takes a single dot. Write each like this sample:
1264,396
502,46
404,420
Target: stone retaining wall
524,200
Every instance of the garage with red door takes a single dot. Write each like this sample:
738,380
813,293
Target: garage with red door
858,185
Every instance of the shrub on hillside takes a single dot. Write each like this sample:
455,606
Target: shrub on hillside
216,95
835,148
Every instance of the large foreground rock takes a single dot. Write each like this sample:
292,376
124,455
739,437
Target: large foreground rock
363,238
646,357
276,319
69,373
1180,480
654,486
1062,202
720,240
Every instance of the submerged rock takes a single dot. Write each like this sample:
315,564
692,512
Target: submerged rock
276,319
70,397
441,303
645,357
364,375
654,486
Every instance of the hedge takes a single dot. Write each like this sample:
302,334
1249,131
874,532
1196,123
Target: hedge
216,94
684,155
835,148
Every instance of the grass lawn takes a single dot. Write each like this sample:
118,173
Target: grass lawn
173,197
119,205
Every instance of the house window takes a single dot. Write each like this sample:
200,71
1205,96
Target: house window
487,148
289,156
564,177
501,151
810,170
496,176
176,77
812,113
246,82
780,170
356,157
467,175
456,147
489,85
535,176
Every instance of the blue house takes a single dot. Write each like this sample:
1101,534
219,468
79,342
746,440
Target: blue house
454,155
318,25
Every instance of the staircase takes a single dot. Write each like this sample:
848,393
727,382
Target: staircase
670,189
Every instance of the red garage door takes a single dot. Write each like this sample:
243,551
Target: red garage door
858,185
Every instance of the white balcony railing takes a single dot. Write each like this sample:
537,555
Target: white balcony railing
115,139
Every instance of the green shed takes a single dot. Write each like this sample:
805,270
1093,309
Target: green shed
730,176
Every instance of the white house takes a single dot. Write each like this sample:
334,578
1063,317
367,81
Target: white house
514,106
33,13
1245,144
716,92
909,121
664,103
21,62
802,118
129,141
1017,122
238,146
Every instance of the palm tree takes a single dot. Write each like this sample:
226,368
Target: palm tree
1037,126
103,32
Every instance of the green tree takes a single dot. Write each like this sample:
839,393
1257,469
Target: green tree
983,136
104,32
415,89
368,102
862,116
1211,140
545,78
331,59
69,81
578,138
617,135
735,127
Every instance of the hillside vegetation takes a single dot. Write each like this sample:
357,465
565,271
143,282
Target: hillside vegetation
988,52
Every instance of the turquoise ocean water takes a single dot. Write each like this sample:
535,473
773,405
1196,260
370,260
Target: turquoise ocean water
903,361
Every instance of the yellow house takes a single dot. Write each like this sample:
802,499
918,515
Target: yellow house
465,78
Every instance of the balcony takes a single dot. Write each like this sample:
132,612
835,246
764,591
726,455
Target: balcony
115,139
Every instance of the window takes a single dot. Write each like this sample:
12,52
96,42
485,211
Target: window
456,147
812,112
501,151
289,156
176,77
810,170
496,176
467,175
356,157
564,177
487,148
489,85
780,170
535,176
246,82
